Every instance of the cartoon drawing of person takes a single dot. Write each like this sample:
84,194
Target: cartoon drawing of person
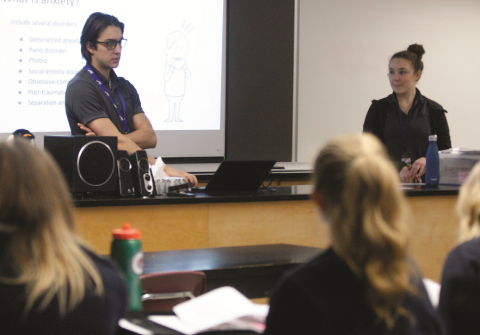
176,73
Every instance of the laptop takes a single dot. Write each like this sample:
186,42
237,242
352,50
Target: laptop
238,176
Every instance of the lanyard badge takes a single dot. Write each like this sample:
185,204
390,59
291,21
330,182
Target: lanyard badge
406,159
121,115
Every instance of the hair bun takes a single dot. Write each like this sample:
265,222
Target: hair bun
416,49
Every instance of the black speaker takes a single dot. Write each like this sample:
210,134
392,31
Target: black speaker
88,162
144,183
126,186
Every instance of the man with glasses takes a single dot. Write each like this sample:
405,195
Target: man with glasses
98,102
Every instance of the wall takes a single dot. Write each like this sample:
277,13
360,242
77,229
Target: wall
344,49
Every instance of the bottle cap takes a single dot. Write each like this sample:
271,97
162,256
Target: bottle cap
126,233
432,137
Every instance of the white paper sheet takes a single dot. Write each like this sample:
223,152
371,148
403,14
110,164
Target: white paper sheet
216,308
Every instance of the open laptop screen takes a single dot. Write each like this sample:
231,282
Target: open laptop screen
240,175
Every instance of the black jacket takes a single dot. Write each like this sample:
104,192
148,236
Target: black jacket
380,110
325,297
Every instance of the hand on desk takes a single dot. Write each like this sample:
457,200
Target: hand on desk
407,175
413,173
177,173
418,168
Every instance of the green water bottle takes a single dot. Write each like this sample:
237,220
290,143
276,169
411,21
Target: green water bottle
127,254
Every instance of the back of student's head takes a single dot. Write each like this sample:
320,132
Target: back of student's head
36,224
93,28
468,206
365,209
34,195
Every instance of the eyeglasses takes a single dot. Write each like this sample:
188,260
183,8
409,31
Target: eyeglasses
112,44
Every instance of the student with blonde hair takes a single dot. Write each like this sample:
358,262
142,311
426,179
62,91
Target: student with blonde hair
464,260
364,282
50,282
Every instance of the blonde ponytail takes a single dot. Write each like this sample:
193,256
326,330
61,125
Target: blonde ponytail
468,206
367,219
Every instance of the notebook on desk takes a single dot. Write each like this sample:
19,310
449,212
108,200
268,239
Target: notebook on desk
238,176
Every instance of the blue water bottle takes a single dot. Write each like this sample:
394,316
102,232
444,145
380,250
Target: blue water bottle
432,174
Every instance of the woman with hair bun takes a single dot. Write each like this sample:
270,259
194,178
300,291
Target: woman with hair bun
364,283
50,282
404,120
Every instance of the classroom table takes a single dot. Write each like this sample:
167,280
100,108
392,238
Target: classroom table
279,214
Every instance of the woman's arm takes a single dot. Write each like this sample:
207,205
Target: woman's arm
374,122
443,132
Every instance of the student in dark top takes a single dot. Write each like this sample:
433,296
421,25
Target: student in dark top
50,282
404,120
364,283
464,260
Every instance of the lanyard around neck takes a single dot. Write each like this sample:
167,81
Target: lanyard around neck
122,116
404,126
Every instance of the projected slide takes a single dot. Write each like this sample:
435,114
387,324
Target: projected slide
173,57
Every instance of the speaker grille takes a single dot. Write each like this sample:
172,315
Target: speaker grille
95,163
143,165
124,164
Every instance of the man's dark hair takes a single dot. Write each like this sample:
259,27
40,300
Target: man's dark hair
95,25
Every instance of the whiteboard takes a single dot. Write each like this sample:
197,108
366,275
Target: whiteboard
343,54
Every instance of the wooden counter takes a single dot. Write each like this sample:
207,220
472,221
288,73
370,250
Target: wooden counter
283,216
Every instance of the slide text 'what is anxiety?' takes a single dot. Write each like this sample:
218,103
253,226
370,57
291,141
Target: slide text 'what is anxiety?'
46,2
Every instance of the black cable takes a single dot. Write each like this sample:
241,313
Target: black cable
270,183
